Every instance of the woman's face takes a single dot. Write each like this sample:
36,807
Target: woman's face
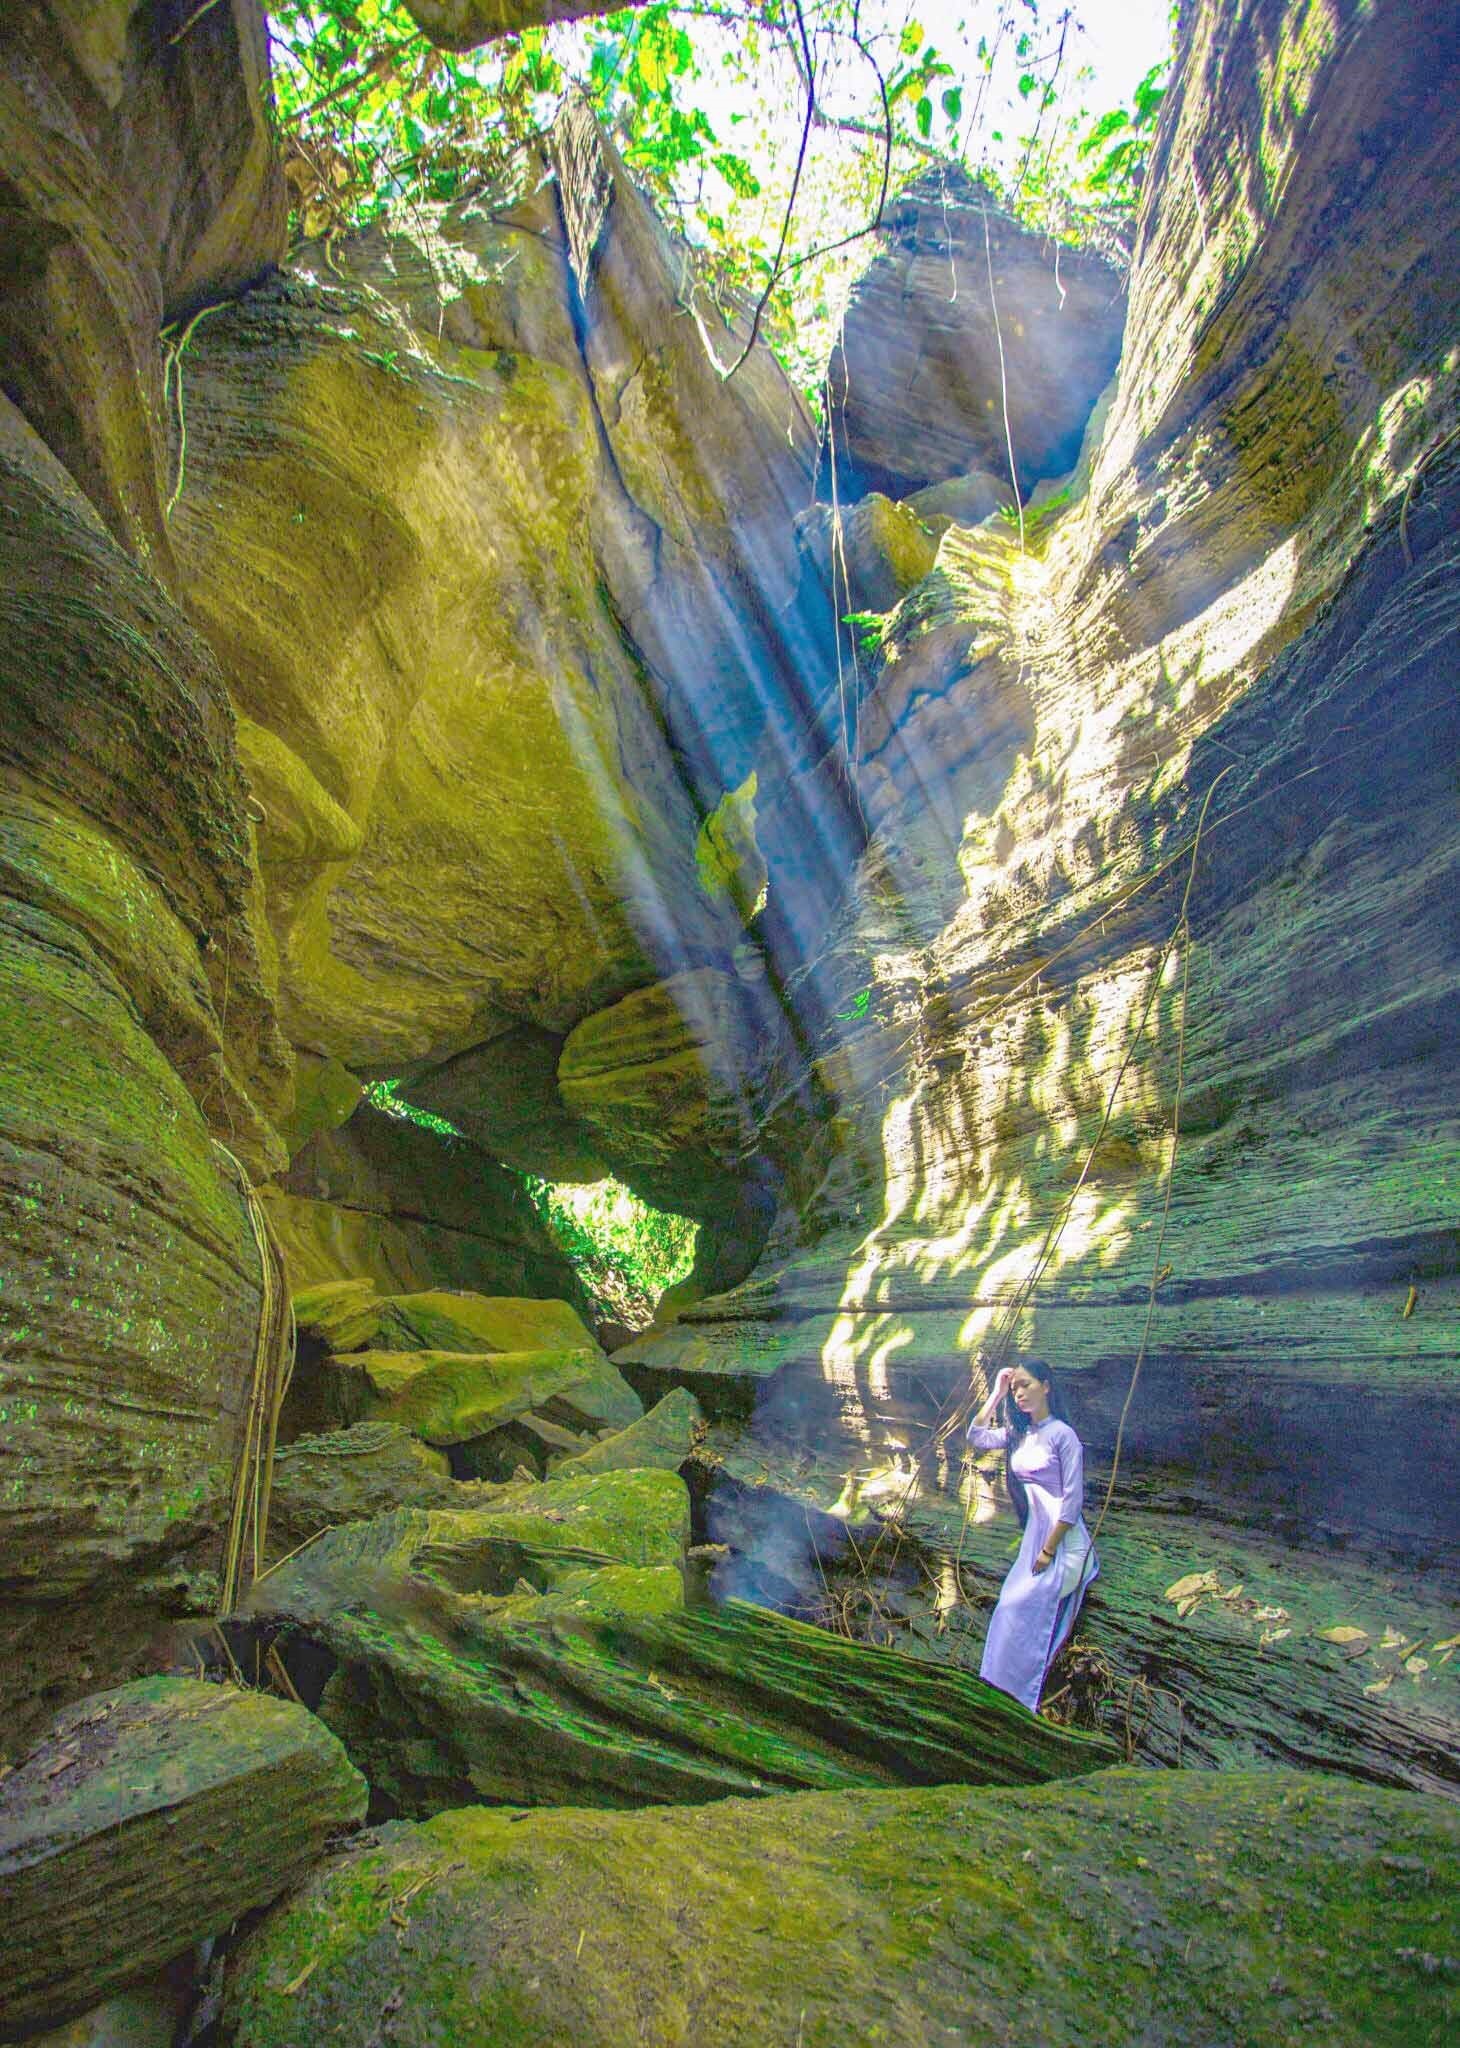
1030,1394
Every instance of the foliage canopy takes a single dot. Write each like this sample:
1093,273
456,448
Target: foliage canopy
772,130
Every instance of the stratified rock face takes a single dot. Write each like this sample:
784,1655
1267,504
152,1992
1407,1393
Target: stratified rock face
384,1200
1259,583
1186,1909
517,541
504,1096
670,1081
140,180
146,1820
921,391
134,1030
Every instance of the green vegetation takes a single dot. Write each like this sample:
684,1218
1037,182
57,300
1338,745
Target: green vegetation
772,131
624,1252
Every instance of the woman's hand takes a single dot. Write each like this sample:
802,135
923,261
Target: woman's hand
1042,1561
1002,1380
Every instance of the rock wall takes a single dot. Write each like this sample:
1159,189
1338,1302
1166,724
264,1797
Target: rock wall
1254,580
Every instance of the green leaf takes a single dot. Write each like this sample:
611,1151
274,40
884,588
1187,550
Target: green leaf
923,114
737,175
911,39
1027,84
953,105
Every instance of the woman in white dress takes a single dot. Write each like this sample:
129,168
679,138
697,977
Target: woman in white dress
1044,1463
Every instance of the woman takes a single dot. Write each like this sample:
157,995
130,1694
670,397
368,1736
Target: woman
1044,1464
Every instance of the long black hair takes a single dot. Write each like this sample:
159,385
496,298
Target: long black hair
1013,1418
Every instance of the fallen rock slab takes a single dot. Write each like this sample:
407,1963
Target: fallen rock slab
149,1818
348,1475
659,1441
1179,1908
539,1650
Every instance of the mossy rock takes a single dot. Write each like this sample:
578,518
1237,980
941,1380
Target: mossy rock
442,1321
534,1650
450,1397
149,1818
348,1475
339,1315
660,1440
1174,1907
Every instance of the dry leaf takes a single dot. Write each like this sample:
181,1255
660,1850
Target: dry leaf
1344,1633
1194,1582
1380,1684
1451,1643
1270,1614
1233,1592
294,1983
1415,1665
1393,1640
1184,1607
1274,1635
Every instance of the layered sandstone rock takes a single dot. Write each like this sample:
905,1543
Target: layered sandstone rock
1253,579
971,343
1192,1907
141,183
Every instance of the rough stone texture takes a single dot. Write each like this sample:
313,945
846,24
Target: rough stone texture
449,1397
530,616
148,1819
916,379
1255,578
382,1199
1264,1908
671,1081
537,1650
140,182
660,1441
145,2017
349,1475
136,1030
881,551
504,1095
475,1322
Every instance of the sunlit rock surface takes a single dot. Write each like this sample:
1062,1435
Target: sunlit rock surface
1250,576
141,182
1182,1907
936,374
498,567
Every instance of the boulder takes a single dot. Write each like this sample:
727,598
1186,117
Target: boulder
881,551
1189,1908
966,333
441,1321
338,1315
660,1441
670,1081
348,1475
412,1209
538,1649
148,1819
504,1095
450,1397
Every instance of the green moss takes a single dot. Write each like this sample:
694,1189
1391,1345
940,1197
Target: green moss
1178,1907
